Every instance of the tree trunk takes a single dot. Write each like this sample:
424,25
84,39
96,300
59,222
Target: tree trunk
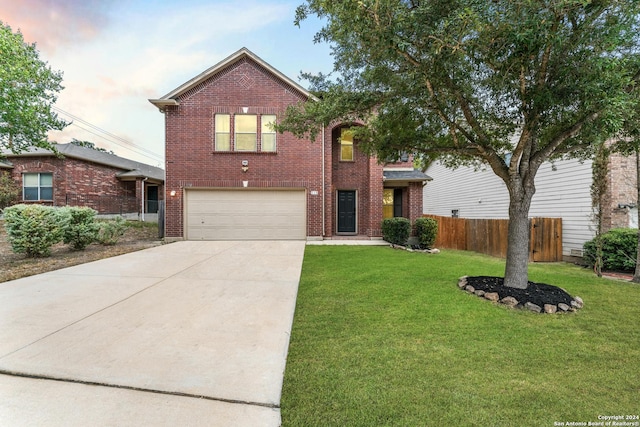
516,273
636,275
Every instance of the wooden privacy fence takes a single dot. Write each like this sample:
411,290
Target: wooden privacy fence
489,236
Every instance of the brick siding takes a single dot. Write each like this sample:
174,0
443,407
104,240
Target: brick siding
246,87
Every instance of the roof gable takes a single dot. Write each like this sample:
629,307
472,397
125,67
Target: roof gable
172,98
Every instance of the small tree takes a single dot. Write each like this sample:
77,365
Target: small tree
600,172
505,84
28,90
9,190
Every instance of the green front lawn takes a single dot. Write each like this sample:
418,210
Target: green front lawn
385,337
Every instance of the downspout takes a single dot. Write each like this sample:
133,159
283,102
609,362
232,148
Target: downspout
323,183
142,210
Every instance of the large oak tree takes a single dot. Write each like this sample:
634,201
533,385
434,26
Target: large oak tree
28,90
505,84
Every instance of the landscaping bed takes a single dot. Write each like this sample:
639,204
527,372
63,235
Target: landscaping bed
138,235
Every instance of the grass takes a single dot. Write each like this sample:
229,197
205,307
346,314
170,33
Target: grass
384,337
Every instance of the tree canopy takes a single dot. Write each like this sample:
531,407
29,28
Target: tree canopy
28,90
504,83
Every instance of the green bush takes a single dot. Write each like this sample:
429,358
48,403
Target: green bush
82,229
109,232
426,231
34,229
619,249
396,230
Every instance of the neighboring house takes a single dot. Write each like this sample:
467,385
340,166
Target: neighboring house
85,177
563,190
230,176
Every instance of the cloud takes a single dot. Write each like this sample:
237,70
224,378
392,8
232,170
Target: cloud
116,54
54,24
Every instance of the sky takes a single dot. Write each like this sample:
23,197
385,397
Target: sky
117,54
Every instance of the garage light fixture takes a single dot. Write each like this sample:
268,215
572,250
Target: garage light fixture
245,165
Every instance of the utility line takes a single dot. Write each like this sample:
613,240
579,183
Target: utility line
131,146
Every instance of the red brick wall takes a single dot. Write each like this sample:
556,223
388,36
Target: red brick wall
79,183
192,162
191,159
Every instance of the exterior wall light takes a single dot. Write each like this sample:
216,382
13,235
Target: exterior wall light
172,193
245,165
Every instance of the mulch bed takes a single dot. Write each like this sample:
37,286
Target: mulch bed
537,293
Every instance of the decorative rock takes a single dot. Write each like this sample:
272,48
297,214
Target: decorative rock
433,251
492,296
510,301
564,307
533,307
550,308
470,289
480,292
462,282
577,302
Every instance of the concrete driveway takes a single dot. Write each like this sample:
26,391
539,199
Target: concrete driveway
190,333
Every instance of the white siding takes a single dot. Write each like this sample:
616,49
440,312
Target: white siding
562,191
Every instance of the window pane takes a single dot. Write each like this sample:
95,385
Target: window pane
268,133
222,132
223,142
268,121
346,145
247,123
223,122
46,193
30,193
269,142
387,212
346,152
246,131
246,142
46,180
30,180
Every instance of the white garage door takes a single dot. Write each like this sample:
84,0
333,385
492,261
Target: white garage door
246,214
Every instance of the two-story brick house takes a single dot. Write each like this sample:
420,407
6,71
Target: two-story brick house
230,176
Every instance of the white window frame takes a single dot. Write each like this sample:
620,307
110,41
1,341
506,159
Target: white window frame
39,186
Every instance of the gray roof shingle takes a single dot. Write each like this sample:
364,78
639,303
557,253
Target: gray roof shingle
131,168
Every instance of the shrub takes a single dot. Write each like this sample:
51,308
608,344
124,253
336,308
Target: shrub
396,230
33,229
82,229
427,231
619,249
109,232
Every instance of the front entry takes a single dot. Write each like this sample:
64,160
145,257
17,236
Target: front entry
346,211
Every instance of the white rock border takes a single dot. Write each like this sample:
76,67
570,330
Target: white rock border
405,248
576,304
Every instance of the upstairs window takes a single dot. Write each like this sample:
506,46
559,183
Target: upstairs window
346,145
246,132
268,133
223,132
37,186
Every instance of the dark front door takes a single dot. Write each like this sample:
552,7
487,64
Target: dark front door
346,211
152,199
397,202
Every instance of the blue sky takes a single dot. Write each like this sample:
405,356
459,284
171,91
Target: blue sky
116,54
